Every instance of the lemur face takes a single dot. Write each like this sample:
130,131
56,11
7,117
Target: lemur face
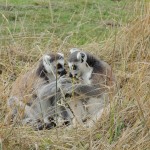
77,63
74,69
54,64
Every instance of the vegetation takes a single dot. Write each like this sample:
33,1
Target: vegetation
84,21
116,31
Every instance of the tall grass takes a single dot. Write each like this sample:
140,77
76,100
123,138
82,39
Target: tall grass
125,125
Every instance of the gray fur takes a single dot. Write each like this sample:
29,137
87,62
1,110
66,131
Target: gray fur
88,90
73,57
40,111
42,72
92,61
92,73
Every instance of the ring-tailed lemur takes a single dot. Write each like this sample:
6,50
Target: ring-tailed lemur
96,78
33,94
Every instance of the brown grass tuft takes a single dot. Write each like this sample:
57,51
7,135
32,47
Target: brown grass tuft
125,126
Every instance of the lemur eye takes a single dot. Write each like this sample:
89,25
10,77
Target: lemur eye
59,66
74,67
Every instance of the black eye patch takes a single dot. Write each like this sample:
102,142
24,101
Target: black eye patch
59,66
82,57
74,67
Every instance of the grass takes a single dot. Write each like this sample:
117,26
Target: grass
116,31
84,21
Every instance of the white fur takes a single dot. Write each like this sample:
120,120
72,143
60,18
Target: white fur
61,54
84,71
74,50
95,108
94,105
73,72
40,105
87,72
47,64
78,110
61,61
51,67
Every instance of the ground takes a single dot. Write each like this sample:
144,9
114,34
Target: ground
116,31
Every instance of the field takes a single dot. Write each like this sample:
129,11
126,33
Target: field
117,31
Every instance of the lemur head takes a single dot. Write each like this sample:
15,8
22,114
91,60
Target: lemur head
78,63
51,64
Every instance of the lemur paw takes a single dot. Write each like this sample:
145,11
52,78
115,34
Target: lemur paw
68,95
50,125
38,126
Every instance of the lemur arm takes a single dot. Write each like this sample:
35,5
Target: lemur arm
88,90
49,90
85,89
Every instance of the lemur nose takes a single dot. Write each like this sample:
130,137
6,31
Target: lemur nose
64,72
74,67
70,75
75,75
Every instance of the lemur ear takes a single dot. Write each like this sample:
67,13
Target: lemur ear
61,54
74,50
81,56
47,63
46,58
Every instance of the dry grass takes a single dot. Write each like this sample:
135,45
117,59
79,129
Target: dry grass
125,126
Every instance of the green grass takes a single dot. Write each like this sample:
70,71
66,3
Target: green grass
85,21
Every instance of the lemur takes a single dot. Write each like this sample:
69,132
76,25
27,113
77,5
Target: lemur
92,92
33,95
